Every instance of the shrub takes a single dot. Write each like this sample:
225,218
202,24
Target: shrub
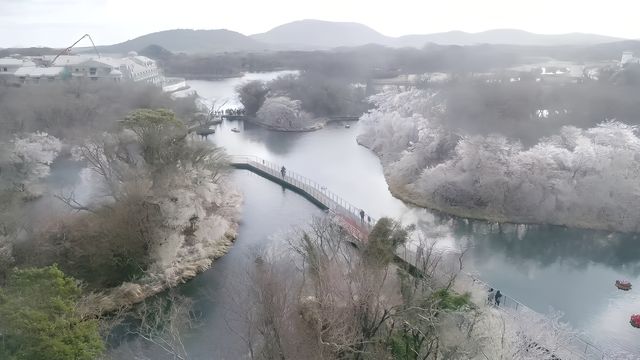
38,319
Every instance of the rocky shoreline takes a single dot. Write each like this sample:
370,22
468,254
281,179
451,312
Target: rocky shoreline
195,255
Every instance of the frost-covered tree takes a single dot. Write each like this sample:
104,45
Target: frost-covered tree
25,161
578,177
283,113
24,164
158,197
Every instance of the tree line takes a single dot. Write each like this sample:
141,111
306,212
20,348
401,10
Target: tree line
477,166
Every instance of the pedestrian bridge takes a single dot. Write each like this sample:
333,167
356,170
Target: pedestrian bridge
344,213
348,217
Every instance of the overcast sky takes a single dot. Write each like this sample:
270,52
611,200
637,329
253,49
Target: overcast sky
61,22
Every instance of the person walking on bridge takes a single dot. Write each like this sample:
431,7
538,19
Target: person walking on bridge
498,297
362,216
283,171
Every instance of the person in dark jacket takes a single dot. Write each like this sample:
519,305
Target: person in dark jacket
498,297
491,296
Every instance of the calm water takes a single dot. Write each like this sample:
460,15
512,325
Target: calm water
572,271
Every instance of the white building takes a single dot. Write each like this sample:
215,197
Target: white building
141,68
34,74
9,66
628,58
82,67
133,67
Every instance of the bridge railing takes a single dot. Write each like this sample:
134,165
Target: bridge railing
349,214
576,347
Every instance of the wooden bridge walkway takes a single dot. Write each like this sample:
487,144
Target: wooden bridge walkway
344,213
348,217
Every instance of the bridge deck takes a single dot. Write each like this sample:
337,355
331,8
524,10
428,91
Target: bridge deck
344,213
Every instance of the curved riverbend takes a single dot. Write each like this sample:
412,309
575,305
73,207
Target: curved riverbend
572,271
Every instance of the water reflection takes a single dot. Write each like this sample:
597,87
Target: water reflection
274,142
548,245
569,270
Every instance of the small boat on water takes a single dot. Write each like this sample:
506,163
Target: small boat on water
635,321
347,126
623,285
235,130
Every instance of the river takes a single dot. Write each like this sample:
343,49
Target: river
545,267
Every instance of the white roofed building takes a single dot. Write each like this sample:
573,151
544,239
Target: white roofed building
141,68
97,69
36,74
83,67
133,68
9,66
628,58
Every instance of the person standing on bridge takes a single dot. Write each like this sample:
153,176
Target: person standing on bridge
362,216
491,296
283,171
498,297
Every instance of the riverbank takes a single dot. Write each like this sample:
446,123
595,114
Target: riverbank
196,253
407,195
313,127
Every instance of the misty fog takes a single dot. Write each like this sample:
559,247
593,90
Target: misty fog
244,184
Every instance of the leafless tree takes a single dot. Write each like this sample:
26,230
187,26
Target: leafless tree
161,322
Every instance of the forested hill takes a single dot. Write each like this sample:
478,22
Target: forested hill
190,41
317,34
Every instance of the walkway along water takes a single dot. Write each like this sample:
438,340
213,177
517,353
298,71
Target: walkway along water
344,213
349,217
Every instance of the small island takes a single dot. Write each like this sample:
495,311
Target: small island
300,103
284,114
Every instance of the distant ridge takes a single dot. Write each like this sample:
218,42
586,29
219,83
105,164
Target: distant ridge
189,41
321,35
327,34
503,37
318,34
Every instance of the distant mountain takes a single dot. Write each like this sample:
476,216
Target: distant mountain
32,51
189,41
318,34
504,37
